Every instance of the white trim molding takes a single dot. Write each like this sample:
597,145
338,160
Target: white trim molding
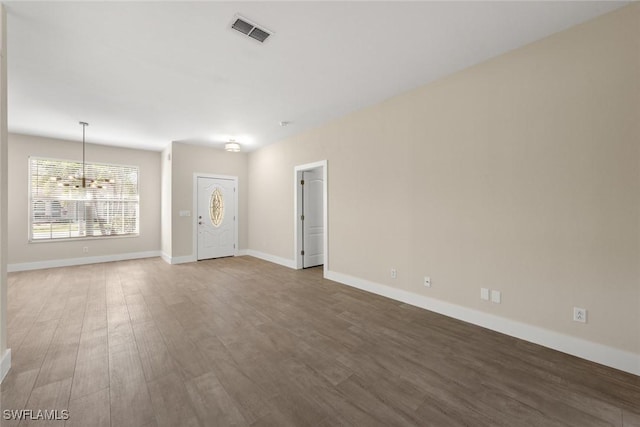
67,262
192,258
290,263
179,259
165,257
5,364
599,353
297,208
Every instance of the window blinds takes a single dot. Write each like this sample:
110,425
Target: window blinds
61,208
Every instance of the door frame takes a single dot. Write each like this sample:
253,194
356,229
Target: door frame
297,211
194,216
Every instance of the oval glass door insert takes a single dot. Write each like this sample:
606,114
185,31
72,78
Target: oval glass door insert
216,207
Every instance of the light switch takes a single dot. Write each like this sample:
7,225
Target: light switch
185,213
495,296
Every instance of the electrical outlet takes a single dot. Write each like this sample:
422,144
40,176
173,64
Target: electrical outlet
484,294
496,296
85,250
427,281
394,273
579,314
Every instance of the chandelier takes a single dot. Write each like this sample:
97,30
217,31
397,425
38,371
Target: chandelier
80,179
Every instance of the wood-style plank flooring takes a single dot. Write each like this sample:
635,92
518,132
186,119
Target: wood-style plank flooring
239,341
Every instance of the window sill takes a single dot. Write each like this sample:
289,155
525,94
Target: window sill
81,239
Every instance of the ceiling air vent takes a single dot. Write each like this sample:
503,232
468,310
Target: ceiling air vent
247,27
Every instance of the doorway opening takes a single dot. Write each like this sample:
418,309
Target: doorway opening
311,215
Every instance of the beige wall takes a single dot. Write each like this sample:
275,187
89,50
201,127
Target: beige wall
189,159
521,174
21,251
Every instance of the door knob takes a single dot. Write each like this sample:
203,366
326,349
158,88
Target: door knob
200,222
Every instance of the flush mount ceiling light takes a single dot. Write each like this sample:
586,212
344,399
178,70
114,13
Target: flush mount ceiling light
232,146
250,29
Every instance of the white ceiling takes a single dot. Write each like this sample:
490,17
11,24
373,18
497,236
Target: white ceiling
147,73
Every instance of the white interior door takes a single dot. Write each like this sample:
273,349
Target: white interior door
216,217
312,219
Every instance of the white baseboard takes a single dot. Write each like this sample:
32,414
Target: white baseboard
605,355
191,258
5,364
67,262
271,258
179,259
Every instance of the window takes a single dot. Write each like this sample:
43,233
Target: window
60,208
216,207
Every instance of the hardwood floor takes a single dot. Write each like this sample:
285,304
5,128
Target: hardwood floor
239,341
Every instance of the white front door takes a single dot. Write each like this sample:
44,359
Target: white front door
216,217
312,220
